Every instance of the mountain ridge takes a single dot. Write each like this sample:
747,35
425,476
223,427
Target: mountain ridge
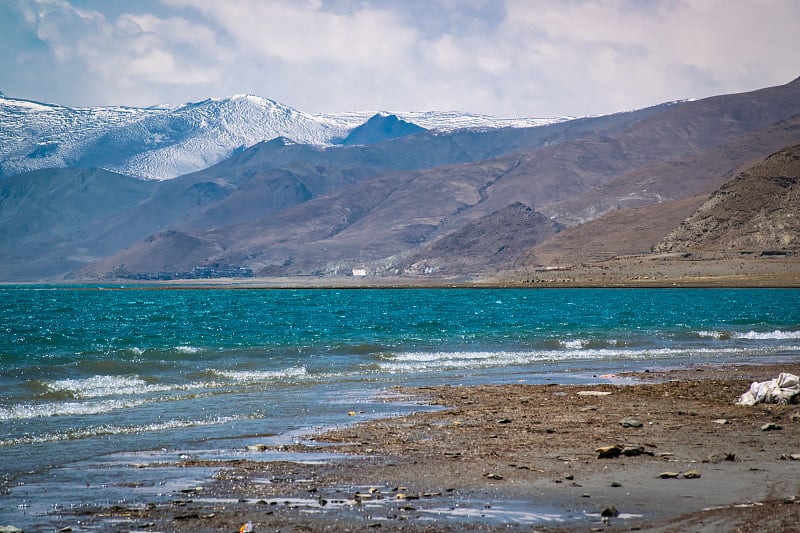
465,203
163,142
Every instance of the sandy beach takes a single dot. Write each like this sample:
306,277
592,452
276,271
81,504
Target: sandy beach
518,457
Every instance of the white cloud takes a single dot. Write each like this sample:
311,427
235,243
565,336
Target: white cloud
621,53
510,57
300,32
127,59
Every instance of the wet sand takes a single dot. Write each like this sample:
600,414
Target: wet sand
519,458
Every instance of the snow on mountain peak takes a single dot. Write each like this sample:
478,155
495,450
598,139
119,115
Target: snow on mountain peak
162,142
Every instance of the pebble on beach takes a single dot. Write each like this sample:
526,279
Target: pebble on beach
630,422
608,452
609,512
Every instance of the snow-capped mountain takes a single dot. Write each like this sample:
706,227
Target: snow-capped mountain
446,121
164,142
155,143
35,135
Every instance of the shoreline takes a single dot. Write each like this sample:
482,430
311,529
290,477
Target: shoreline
639,271
515,457
706,282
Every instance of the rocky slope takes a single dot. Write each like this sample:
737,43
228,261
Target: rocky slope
489,244
758,213
636,210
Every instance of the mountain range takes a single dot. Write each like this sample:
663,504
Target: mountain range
388,196
163,142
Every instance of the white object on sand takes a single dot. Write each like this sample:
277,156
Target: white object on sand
782,389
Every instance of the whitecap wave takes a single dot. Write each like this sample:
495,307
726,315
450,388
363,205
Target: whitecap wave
749,335
768,335
102,386
574,344
410,362
256,376
187,349
712,334
103,430
43,410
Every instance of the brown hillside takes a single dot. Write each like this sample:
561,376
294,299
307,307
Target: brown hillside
620,232
166,252
757,212
491,243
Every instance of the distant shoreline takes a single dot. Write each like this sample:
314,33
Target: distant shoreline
720,282
646,271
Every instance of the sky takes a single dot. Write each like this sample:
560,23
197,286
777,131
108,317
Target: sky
507,58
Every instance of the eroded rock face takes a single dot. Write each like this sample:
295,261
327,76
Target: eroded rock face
755,213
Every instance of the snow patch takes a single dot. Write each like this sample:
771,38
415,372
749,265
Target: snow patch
162,142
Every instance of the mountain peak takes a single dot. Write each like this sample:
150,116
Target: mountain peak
381,127
255,99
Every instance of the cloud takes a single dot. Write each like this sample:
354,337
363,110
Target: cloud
301,33
508,58
630,54
132,56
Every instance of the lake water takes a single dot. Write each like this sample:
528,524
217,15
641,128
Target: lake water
92,377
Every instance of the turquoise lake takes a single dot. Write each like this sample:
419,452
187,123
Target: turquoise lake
89,375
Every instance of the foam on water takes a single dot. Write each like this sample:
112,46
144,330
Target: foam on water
101,386
574,344
767,335
104,430
106,393
187,349
483,513
256,376
749,335
719,335
427,361
42,410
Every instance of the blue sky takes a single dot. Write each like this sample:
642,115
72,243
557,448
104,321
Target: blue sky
500,57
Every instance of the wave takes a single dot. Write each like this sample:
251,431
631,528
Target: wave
102,386
256,376
187,349
42,410
410,362
573,344
105,430
104,393
769,335
580,343
719,335
749,335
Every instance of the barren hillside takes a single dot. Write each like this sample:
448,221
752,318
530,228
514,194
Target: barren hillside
756,213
